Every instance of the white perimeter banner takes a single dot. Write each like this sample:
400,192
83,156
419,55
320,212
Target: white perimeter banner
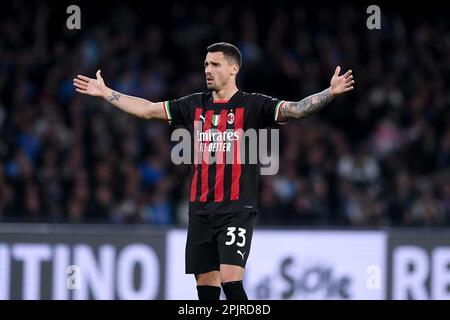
298,265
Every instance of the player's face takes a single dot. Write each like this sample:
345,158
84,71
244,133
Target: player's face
219,70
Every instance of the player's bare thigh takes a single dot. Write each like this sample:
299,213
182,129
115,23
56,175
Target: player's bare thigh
227,273
211,278
230,272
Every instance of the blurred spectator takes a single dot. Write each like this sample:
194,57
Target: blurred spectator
427,211
360,168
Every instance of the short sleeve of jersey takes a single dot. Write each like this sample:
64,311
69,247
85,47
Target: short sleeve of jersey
179,111
269,110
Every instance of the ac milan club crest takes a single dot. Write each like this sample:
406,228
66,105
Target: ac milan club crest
230,118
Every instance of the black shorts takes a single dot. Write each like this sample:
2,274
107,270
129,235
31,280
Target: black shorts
218,239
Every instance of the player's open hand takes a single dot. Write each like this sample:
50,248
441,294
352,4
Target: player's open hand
340,84
93,87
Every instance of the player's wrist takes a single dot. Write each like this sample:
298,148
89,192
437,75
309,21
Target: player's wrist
332,92
106,92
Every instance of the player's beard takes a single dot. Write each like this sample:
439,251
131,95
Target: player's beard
211,86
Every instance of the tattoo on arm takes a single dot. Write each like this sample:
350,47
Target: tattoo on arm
305,107
114,97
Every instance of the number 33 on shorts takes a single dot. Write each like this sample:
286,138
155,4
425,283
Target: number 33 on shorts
241,235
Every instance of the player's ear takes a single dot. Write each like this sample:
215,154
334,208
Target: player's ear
235,69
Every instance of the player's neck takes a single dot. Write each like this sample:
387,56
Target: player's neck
225,93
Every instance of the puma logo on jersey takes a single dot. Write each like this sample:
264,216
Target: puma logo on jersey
202,117
242,254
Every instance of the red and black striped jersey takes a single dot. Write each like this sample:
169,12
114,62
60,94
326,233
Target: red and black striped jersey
227,184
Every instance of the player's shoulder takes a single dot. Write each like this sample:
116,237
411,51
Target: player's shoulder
193,96
191,100
258,97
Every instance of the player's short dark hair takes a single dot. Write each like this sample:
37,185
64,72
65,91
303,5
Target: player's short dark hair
228,50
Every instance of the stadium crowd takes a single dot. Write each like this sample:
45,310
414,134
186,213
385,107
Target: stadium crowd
378,156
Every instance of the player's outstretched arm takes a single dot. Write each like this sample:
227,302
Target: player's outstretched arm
315,102
137,106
